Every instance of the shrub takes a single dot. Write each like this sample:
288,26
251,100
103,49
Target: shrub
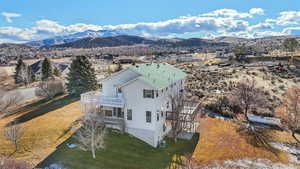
50,89
10,163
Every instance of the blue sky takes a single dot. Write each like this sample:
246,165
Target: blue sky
26,20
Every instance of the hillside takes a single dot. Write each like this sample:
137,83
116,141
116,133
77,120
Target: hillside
126,40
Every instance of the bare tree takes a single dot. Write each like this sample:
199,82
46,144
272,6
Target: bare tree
49,89
8,100
179,120
248,97
92,133
14,133
10,163
290,116
251,99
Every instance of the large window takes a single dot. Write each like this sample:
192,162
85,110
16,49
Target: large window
148,93
129,114
148,116
157,116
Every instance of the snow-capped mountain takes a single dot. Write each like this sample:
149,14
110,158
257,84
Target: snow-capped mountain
73,37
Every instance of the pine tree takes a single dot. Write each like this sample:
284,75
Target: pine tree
46,69
81,77
20,73
30,75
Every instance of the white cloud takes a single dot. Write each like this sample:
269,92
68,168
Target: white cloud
184,25
223,22
8,16
256,11
261,26
47,28
287,18
228,13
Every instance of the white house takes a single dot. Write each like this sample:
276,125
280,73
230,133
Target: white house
138,98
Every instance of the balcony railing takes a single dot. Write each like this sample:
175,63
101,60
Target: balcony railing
112,101
98,99
113,120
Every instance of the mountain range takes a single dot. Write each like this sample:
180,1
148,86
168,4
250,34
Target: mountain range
73,37
127,40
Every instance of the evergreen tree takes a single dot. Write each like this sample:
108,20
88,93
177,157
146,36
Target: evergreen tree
30,75
46,69
81,77
20,73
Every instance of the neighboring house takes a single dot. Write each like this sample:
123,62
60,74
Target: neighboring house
138,98
37,69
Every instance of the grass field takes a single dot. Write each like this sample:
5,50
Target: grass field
122,151
221,141
46,125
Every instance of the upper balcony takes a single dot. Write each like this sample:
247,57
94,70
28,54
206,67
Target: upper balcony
98,99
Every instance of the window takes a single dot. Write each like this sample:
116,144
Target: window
157,116
129,114
164,127
108,113
168,105
148,93
148,116
114,111
162,114
156,93
120,112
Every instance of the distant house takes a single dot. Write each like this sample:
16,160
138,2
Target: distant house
138,98
37,69
125,60
108,57
187,58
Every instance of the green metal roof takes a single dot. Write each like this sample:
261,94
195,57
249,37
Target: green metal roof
159,75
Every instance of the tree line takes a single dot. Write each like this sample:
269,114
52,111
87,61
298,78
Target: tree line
24,74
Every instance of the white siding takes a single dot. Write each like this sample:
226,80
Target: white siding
109,86
134,100
133,94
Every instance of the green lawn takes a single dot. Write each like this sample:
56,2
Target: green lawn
122,152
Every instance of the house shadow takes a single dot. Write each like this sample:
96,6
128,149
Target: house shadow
46,107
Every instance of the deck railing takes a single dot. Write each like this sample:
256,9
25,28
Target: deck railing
98,99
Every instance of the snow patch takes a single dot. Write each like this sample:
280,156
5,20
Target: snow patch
248,164
294,151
